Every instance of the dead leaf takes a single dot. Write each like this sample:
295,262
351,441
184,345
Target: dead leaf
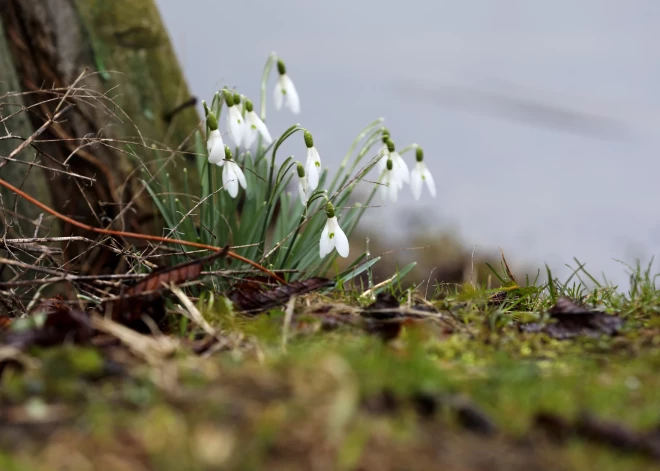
249,297
571,320
145,297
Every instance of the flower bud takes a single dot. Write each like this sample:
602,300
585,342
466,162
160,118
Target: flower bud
212,121
229,98
390,145
301,170
419,154
390,164
309,140
329,210
248,106
227,153
281,68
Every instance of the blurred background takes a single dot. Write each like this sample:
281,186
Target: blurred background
539,120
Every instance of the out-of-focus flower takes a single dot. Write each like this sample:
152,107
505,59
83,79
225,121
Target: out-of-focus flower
285,91
421,174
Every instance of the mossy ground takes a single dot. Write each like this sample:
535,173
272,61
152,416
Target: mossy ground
342,398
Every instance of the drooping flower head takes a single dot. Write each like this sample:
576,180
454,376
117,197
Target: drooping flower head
420,174
332,236
389,184
214,144
285,91
232,175
313,163
235,122
303,185
254,126
400,168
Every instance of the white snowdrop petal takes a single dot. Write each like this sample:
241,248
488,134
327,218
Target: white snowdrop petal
229,179
430,184
240,175
326,245
341,242
235,125
402,171
261,127
312,170
292,100
250,131
215,147
278,94
393,190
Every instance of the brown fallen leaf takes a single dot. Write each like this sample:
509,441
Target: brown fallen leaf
145,297
571,320
250,297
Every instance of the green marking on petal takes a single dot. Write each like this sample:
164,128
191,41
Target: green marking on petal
254,128
332,234
318,164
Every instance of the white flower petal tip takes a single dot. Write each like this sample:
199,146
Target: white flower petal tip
333,237
285,93
216,148
232,177
420,175
253,127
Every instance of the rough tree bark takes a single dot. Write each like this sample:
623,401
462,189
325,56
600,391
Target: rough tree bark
45,45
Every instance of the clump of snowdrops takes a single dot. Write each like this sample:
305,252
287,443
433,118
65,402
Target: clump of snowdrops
291,214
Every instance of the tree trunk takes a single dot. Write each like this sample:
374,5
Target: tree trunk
133,97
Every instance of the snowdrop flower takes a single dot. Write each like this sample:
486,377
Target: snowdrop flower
214,145
303,186
235,123
389,187
421,174
232,175
400,168
313,164
254,126
332,236
285,91
399,165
